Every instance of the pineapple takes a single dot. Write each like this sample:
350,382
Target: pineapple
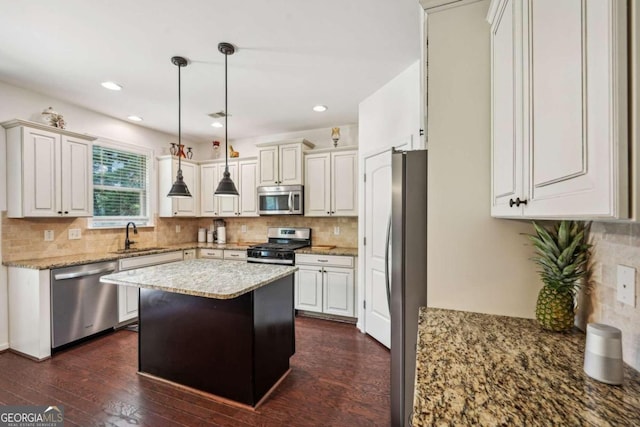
563,255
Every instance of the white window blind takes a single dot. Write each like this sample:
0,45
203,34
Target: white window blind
120,187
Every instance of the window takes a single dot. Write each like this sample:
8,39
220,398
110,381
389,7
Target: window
120,186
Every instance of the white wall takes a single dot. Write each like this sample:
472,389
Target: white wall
4,305
392,113
475,263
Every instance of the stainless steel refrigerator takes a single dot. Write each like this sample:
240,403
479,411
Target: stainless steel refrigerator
408,283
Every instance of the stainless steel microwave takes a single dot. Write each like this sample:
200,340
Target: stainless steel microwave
281,200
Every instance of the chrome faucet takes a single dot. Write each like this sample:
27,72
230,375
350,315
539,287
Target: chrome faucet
127,242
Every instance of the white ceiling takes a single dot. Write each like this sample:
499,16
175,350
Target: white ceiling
291,55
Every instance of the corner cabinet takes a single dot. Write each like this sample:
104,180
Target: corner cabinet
325,284
331,182
559,109
280,163
173,206
50,170
244,175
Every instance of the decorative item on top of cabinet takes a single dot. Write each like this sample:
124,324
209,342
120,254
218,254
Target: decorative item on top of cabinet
559,109
335,136
53,119
177,206
280,163
50,170
244,173
331,182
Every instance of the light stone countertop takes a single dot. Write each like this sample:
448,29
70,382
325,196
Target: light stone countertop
208,278
88,258
333,251
486,370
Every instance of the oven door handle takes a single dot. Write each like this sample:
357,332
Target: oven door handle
290,201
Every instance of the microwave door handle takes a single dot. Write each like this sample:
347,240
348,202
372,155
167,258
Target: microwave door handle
290,201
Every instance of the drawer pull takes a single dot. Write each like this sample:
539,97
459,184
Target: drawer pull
323,260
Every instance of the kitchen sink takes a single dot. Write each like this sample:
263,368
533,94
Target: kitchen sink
136,250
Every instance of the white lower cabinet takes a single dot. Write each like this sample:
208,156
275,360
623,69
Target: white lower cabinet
325,284
210,253
128,295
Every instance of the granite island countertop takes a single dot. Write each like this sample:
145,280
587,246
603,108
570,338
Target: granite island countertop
486,370
210,278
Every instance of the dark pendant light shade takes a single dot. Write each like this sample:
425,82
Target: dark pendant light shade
179,187
226,187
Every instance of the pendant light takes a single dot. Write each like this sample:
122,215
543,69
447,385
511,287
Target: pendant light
179,188
226,187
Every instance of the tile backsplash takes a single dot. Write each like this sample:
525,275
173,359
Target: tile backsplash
614,244
23,238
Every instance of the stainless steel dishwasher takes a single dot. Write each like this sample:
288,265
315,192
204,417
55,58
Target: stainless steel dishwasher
80,304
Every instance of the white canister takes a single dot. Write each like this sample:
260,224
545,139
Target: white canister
202,235
210,236
222,235
603,353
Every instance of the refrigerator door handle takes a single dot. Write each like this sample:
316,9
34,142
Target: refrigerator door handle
386,264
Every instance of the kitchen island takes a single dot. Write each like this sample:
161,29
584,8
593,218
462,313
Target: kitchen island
222,327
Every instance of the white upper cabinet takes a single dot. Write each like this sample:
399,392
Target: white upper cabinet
244,175
247,186
209,179
228,206
177,206
559,109
331,183
50,170
280,163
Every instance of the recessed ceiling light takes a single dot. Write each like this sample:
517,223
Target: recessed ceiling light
217,124
111,86
320,108
135,118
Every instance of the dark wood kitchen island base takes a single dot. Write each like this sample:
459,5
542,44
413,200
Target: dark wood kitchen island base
235,349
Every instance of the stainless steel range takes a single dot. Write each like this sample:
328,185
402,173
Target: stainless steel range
280,249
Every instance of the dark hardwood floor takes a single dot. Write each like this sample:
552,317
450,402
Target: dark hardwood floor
339,377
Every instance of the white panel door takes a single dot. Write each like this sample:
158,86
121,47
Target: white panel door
290,164
228,206
77,177
268,166
127,303
338,291
247,185
344,185
42,182
377,200
577,101
309,288
187,206
209,179
317,188
506,125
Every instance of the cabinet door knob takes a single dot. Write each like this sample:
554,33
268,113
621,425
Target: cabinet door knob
275,182
511,203
332,212
60,212
520,202
328,213
66,212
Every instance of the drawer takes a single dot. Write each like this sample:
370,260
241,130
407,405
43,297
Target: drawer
326,260
147,260
189,254
235,255
210,253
